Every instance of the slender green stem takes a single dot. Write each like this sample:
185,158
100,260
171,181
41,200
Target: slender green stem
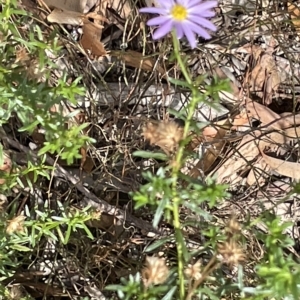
176,168
191,106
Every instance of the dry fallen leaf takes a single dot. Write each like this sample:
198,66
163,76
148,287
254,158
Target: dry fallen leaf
90,40
241,119
212,152
293,119
282,167
265,115
66,17
81,6
137,60
278,141
238,159
263,76
258,173
294,12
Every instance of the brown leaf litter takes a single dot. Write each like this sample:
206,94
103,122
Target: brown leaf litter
262,77
294,11
90,40
274,134
136,60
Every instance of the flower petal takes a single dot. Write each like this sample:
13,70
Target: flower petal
192,3
153,10
179,31
184,3
157,21
188,32
198,29
203,23
166,4
163,30
204,14
204,6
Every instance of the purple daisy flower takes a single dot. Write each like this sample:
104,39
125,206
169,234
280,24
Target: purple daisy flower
187,17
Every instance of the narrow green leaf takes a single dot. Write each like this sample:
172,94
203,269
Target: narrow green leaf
158,243
159,211
147,154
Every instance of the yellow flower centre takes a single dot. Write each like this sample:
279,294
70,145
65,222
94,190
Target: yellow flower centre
179,12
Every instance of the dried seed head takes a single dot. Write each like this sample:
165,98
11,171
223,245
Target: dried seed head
22,55
155,271
231,253
15,225
166,135
3,202
96,215
5,168
193,271
233,227
17,292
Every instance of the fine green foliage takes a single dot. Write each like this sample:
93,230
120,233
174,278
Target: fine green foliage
27,97
199,257
277,273
26,89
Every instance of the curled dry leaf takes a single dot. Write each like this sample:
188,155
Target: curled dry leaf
278,141
229,98
90,40
282,167
250,148
264,78
265,115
